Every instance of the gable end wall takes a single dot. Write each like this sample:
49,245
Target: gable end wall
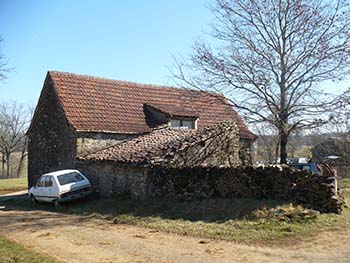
51,140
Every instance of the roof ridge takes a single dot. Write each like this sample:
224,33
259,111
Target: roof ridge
124,82
97,104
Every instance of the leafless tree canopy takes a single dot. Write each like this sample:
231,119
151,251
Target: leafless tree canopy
4,69
14,120
269,57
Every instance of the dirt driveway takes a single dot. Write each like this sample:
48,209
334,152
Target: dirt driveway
82,239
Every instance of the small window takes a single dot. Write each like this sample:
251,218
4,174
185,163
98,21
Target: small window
187,124
182,123
48,181
41,181
175,123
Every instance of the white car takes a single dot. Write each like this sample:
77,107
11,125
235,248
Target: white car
60,186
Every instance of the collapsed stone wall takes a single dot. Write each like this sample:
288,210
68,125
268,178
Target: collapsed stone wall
220,147
313,191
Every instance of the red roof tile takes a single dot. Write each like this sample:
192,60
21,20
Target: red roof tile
104,105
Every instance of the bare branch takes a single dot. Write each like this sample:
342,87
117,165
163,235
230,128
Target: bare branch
270,57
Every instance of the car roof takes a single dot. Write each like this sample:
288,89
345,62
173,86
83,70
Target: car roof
60,172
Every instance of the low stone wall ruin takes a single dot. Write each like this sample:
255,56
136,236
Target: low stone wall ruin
312,191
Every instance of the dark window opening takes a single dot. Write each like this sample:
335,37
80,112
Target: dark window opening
182,123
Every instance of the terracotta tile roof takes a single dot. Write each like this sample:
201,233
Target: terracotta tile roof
174,111
104,105
157,146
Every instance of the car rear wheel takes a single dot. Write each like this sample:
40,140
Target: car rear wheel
55,203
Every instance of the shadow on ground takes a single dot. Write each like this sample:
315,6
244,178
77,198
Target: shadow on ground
213,210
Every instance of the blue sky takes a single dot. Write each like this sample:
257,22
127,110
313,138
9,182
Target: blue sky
128,40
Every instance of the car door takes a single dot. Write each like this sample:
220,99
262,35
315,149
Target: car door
50,195
39,191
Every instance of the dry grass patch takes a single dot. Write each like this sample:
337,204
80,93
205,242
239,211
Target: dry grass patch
11,252
243,220
12,185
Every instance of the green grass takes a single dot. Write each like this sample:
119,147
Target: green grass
11,252
11,185
344,184
243,220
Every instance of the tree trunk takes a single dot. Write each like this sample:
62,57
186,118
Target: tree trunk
283,147
23,155
2,165
277,150
8,156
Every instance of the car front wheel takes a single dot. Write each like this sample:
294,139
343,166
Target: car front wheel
33,200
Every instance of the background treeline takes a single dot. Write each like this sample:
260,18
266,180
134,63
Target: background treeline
14,121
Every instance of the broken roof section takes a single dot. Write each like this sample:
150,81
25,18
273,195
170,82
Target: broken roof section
93,104
174,111
160,145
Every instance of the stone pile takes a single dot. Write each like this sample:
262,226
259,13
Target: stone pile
319,192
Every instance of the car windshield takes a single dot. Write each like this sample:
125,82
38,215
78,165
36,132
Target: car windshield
69,178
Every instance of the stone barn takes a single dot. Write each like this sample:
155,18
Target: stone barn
78,114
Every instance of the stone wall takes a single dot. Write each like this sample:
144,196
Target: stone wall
51,140
108,179
313,191
138,182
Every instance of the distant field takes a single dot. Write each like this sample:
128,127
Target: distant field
302,151
12,185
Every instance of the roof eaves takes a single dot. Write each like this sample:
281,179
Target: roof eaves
112,132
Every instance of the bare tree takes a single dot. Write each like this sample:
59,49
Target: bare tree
3,65
269,58
267,143
14,120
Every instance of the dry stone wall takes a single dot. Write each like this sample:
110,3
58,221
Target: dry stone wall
313,191
319,192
